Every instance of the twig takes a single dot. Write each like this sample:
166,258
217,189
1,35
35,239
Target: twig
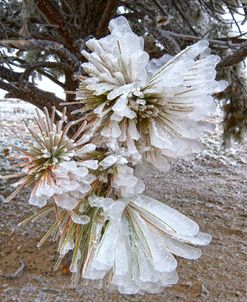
184,18
50,47
227,44
53,15
31,68
109,8
50,77
233,59
234,19
161,8
16,175
18,272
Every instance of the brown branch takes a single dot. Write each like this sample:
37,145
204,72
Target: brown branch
219,42
50,47
53,15
31,68
161,8
170,44
6,86
35,96
233,59
50,77
139,7
9,75
235,39
184,17
106,16
29,93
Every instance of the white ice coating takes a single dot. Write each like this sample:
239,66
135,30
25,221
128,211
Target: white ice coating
113,209
72,181
181,87
135,250
138,247
113,159
126,183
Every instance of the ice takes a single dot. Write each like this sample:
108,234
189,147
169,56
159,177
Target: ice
169,278
181,249
132,131
100,88
166,217
104,257
195,49
136,250
113,209
134,58
108,161
79,219
171,144
126,182
44,189
94,45
39,201
200,239
121,107
121,264
124,89
137,236
66,246
97,201
84,187
156,158
111,130
87,149
161,259
90,164
66,201
120,67
112,159
119,26
154,64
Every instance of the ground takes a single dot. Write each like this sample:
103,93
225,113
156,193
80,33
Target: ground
210,189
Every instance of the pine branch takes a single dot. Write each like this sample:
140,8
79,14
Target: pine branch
218,42
106,16
235,58
25,75
49,46
29,92
54,16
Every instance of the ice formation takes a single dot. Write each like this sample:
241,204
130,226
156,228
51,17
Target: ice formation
135,110
158,110
135,254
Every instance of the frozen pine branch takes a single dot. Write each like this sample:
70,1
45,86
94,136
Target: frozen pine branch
132,112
